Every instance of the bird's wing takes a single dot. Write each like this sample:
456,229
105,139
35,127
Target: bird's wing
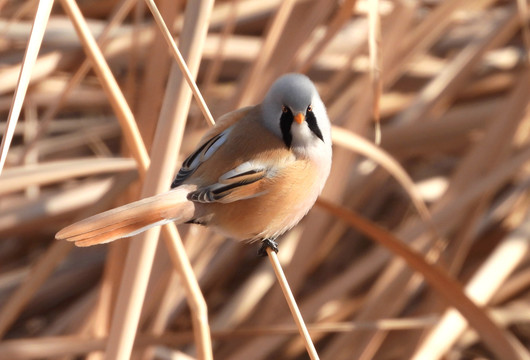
208,145
246,181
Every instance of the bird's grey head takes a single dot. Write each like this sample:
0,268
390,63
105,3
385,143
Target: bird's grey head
293,110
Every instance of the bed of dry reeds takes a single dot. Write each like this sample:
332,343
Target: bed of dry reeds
418,248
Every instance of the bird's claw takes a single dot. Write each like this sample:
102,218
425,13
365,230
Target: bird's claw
267,243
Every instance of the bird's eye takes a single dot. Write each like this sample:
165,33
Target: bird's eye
309,108
284,109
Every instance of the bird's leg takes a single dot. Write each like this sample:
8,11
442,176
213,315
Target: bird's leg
267,243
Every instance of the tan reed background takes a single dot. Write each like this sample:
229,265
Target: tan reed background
445,196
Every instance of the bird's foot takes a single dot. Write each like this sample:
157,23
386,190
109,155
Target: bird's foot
267,243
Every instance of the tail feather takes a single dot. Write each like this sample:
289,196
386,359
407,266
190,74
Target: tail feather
131,219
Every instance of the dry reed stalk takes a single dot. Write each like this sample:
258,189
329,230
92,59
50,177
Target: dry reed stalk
459,70
277,26
106,296
523,17
123,112
499,135
493,272
45,65
360,146
43,268
475,192
19,178
332,29
296,36
2,4
172,294
68,321
381,303
116,98
374,50
131,81
27,215
37,33
40,271
151,88
51,112
500,344
296,270
302,328
212,74
180,61
29,134
53,346
479,191
424,35
141,254
156,66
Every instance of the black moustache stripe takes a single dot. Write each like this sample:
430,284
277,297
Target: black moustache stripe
286,120
313,126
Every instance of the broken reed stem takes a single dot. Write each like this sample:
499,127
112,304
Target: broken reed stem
180,61
295,311
30,57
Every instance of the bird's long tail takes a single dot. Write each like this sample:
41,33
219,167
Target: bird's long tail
131,219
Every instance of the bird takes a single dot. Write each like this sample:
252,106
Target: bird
252,177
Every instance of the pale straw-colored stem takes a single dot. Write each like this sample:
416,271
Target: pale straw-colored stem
525,28
486,281
141,254
374,47
51,111
110,85
271,40
41,270
496,338
180,61
167,141
297,316
334,26
35,40
212,73
199,309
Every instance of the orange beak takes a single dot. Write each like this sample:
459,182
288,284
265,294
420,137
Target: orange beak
299,118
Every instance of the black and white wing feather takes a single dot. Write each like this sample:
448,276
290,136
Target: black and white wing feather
203,153
243,182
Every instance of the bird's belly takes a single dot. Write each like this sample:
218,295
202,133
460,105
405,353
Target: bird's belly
262,217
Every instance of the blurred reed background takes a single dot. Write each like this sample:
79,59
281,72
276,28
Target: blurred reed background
454,87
